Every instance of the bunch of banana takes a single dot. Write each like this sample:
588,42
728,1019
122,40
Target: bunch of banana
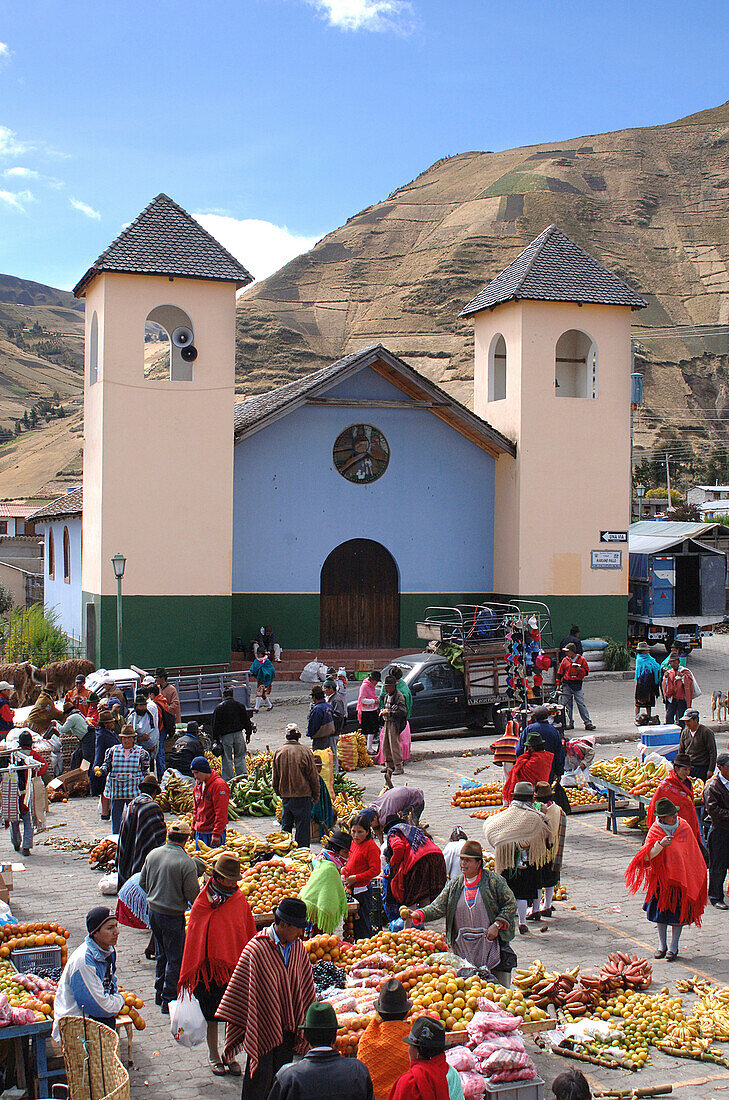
176,798
213,761
346,806
256,759
685,1033
525,977
713,1018
695,985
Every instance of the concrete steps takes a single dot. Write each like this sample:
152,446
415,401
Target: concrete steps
293,660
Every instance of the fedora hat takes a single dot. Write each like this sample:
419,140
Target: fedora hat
227,865
427,1035
393,999
471,849
570,648
664,807
523,792
642,647
291,911
320,1016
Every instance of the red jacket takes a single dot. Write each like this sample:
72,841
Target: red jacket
531,767
211,806
573,669
363,863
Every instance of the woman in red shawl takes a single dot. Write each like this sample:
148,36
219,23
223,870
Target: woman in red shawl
416,871
672,871
533,766
678,789
220,925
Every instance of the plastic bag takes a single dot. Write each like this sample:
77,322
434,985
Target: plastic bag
486,1024
473,1085
313,673
187,1023
108,883
460,1058
527,1074
499,1042
505,1059
5,1010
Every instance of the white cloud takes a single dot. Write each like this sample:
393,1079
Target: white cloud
84,208
260,246
366,15
10,146
16,200
18,172
4,52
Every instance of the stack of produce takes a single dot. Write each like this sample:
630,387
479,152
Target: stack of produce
698,785
455,1000
267,883
631,775
583,796
176,798
214,761
33,934
646,1021
409,946
494,1052
23,993
354,1009
482,815
352,752
328,976
579,997
103,856
325,948
254,796
488,794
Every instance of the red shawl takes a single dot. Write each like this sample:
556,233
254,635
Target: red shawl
531,767
405,856
264,999
214,940
682,796
677,876
423,1081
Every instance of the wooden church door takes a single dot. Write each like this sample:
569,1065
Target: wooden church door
360,597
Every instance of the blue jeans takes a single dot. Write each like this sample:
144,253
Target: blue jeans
571,693
169,941
206,838
118,805
297,813
160,757
27,832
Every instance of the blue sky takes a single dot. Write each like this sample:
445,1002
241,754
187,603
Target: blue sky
276,120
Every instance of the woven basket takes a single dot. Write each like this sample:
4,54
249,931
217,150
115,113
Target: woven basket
96,1072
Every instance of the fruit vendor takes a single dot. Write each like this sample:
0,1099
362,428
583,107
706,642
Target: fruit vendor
267,998
672,871
480,914
415,871
323,1071
427,1078
534,765
326,901
211,796
398,801
551,736
518,837
699,744
677,787
88,982
219,927
359,871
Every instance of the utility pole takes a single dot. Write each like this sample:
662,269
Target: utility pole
668,480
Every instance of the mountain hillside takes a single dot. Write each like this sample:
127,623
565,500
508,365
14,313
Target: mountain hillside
651,204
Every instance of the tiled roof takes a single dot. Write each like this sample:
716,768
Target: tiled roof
70,505
553,268
256,412
165,240
16,511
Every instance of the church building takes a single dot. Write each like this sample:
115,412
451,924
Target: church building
338,507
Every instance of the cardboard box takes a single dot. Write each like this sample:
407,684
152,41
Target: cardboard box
69,781
6,875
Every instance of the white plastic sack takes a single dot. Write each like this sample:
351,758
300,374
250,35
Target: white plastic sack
187,1023
313,673
108,884
697,689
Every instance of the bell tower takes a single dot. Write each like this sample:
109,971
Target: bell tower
552,372
158,440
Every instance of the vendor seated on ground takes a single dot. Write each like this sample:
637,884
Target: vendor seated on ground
88,983
185,749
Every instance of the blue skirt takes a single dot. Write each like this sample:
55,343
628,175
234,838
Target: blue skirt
657,915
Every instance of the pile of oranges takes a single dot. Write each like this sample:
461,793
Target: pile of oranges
454,1000
410,946
34,934
267,883
488,794
583,796
325,948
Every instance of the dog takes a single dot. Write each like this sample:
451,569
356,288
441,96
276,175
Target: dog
719,705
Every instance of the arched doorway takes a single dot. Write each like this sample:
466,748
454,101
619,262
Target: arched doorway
360,597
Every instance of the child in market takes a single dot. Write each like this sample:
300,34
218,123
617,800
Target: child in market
358,872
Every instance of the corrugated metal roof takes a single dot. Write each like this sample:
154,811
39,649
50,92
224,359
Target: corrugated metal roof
652,536
553,268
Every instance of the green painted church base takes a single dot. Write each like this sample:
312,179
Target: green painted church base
295,616
160,630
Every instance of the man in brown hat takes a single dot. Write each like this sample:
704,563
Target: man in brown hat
296,782
169,879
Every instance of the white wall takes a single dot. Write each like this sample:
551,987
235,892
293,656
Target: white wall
64,597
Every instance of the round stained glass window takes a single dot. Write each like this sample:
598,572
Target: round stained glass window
361,453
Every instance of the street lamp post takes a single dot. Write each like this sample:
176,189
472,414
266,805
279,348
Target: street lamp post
119,562
640,493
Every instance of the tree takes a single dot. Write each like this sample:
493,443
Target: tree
17,427
26,421
684,513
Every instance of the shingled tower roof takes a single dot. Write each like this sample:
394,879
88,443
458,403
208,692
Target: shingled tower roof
553,268
165,240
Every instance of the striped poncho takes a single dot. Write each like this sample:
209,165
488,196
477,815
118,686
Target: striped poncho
265,999
142,829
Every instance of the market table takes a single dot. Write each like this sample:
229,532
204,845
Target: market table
614,811
36,1034
262,920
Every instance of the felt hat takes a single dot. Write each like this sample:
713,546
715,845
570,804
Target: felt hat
128,731
664,807
227,865
427,1035
291,911
570,648
179,830
681,760
523,792
200,764
5,685
339,839
329,683
642,647
97,917
293,733
140,700
25,741
320,1016
80,679
393,998
542,791
105,715
535,740
150,780
472,850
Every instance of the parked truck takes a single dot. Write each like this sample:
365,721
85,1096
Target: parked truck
677,583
